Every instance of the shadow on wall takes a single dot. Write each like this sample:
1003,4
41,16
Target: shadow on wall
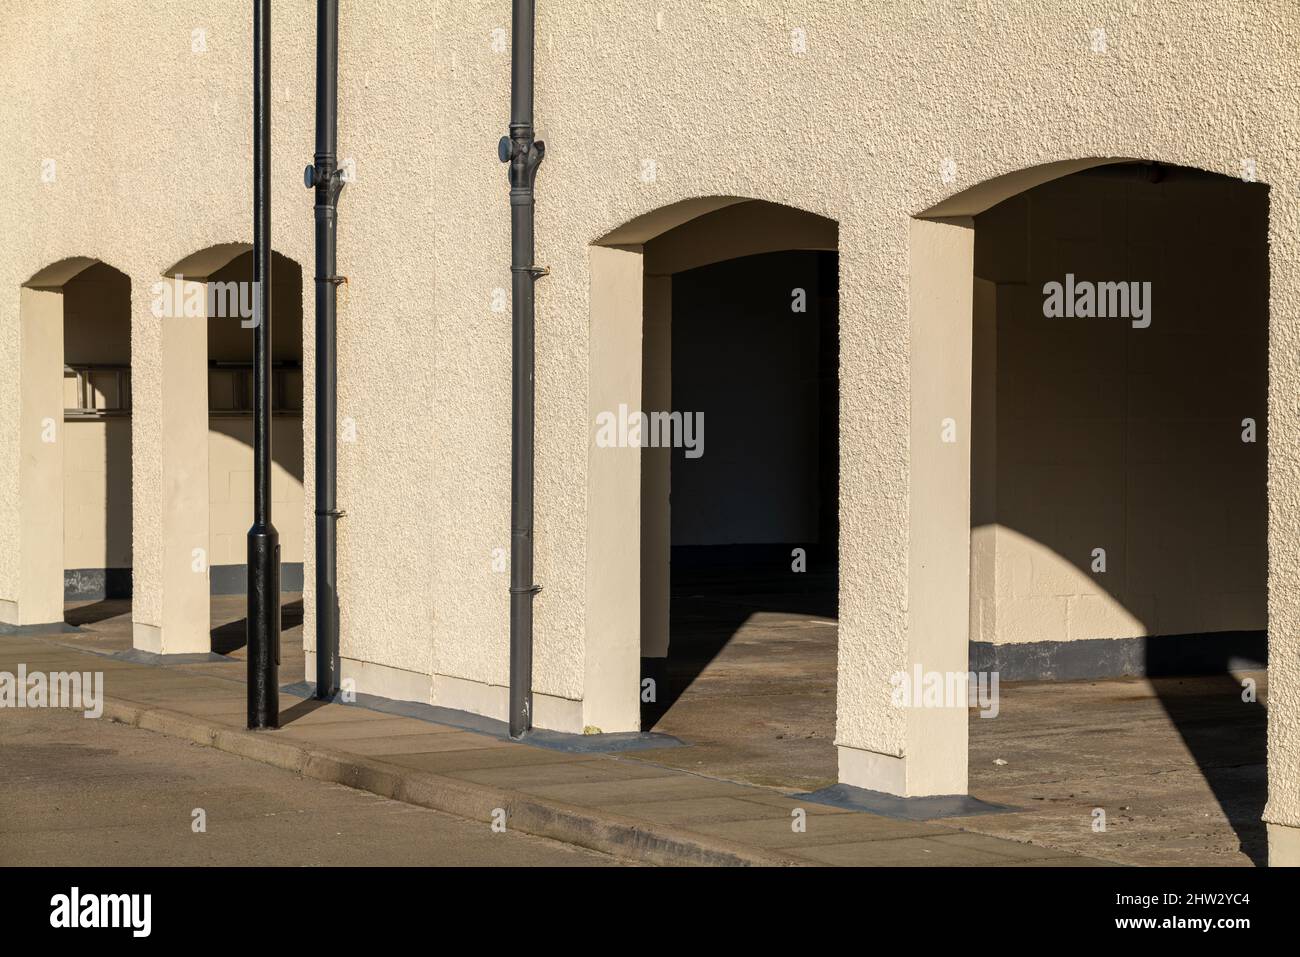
1119,462
230,354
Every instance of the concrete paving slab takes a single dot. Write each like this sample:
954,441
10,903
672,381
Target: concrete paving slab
787,802
340,731
165,679
624,791
980,842
10,659
693,812
578,772
14,649
450,761
1061,862
820,829
910,809
226,705
296,712
431,743
179,691
45,628
901,852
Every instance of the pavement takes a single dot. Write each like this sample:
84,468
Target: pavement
1175,766
750,686
96,793
1173,769
627,808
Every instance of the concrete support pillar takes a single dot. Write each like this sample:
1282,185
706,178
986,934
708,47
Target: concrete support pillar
613,628
656,469
39,599
934,740
1282,812
171,613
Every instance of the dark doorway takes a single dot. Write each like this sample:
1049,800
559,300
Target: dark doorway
750,676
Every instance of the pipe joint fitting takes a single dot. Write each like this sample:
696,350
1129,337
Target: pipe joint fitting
524,154
324,174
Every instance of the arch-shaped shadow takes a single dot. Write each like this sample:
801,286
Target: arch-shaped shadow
708,229
57,274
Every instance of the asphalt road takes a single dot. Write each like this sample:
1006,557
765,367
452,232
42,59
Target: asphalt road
84,792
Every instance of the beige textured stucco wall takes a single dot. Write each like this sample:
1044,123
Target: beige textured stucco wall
150,144
1121,438
153,164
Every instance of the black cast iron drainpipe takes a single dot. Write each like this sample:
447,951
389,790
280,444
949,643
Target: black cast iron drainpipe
524,154
263,613
326,178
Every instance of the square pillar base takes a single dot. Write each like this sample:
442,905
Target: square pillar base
873,771
1283,846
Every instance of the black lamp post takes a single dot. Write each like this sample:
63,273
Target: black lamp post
263,540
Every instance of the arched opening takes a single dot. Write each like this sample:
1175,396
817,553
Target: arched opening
97,444
230,444
715,408
205,303
74,538
1118,510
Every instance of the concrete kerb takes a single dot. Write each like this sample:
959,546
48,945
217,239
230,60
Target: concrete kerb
610,834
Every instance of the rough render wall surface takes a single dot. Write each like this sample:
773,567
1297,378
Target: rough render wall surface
153,144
